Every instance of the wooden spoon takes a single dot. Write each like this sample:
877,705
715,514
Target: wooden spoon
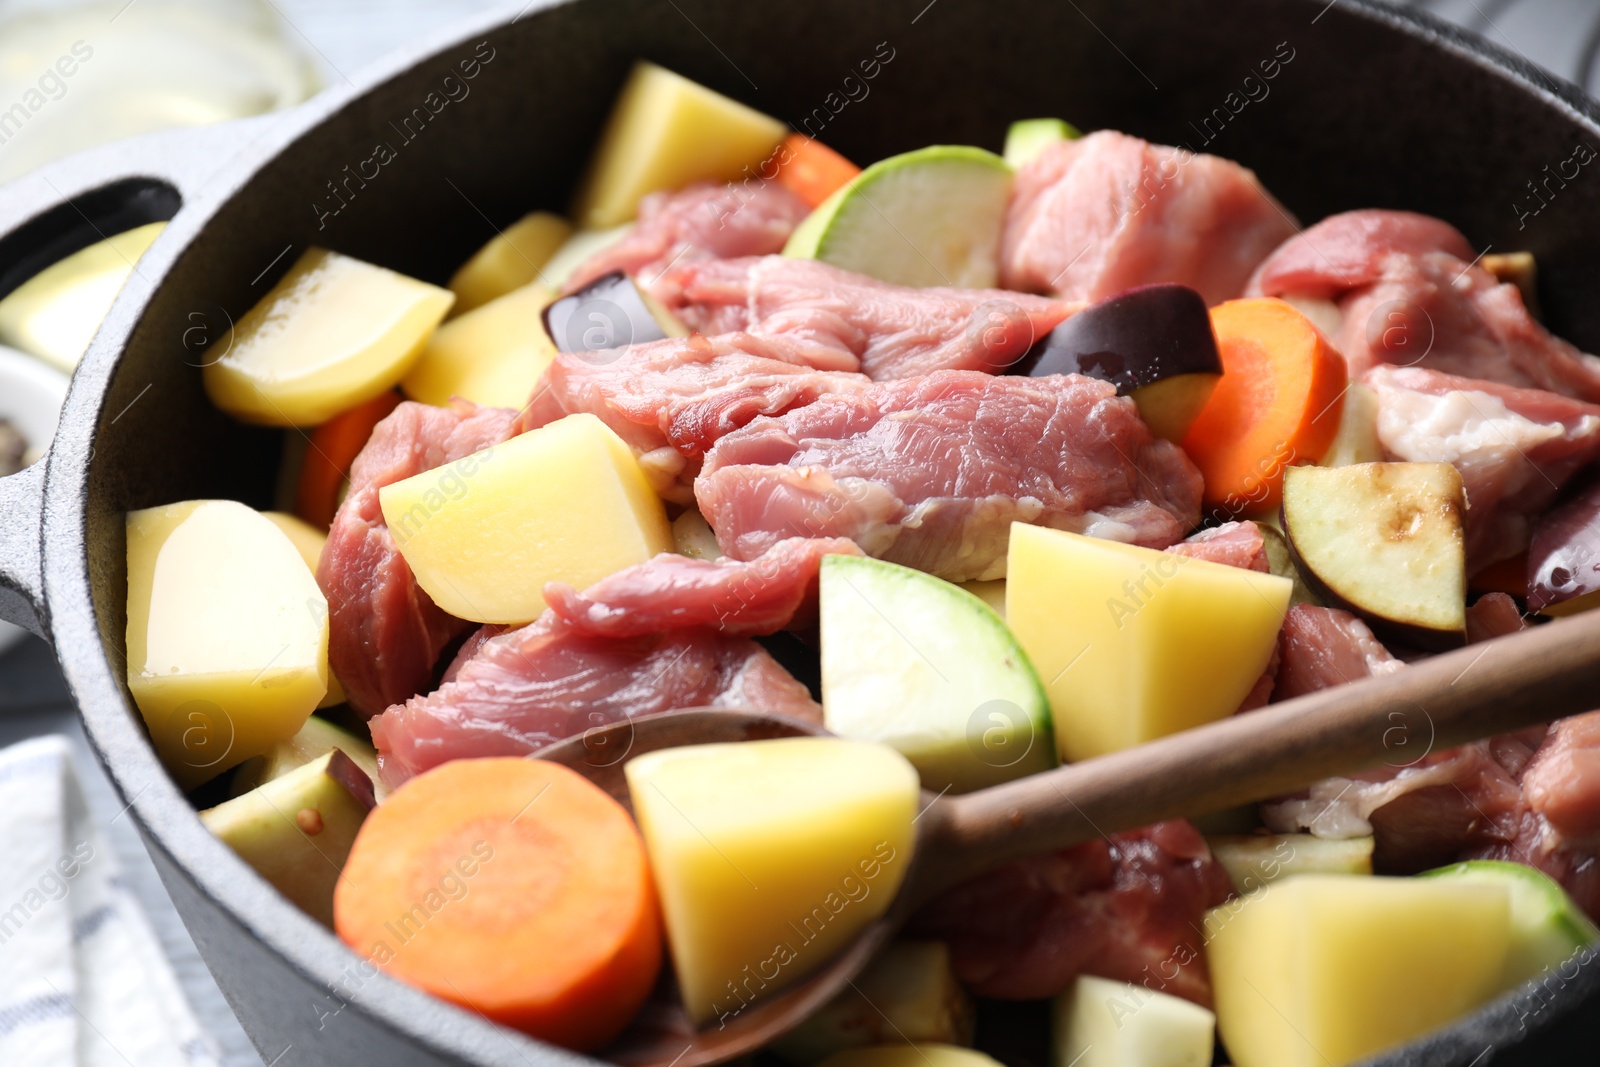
1520,680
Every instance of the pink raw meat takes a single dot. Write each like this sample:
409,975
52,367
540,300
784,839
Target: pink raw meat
1515,448
893,330
930,472
523,689
1092,217
1235,544
1411,294
672,592
1129,907
702,221
671,400
384,633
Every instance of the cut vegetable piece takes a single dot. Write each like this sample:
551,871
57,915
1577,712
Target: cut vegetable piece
609,312
1563,571
908,994
1027,138
811,170
1279,403
333,332
227,635
1357,438
329,454
1280,561
316,739
564,503
759,892
515,888
926,1054
925,667
693,536
1546,926
578,248
297,828
1136,644
929,217
510,260
493,355
1101,1023
665,132
54,314
309,542
1326,969
1384,540
1254,860
1154,343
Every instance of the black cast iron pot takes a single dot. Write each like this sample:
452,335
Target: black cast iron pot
1366,106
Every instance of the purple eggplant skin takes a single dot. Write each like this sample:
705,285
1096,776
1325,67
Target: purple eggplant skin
607,313
1564,556
1133,339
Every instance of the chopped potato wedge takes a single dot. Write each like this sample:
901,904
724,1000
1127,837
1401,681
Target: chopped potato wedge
923,1054
492,355
564,503
1134,644
665,132
512,259
1254,860
770,856
308,541
332,333
1325,969
227,635
1098,1022
54,314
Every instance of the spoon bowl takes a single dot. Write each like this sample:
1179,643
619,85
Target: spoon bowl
1399,719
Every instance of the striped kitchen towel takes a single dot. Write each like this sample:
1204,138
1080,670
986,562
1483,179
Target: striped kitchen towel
83,980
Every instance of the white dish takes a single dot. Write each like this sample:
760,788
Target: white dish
31,394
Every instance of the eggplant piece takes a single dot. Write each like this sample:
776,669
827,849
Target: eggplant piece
608,313
1564,556
1154,343
1385,541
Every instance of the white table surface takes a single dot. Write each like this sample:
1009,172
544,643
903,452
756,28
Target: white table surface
1563,35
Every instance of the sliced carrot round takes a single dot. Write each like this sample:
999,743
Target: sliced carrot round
811,170
512,887
1278,403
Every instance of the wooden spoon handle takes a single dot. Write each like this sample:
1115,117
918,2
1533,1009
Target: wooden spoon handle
1519,680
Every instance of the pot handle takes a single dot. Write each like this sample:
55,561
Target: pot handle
52,212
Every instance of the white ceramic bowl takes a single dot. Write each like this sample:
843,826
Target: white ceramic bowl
31,393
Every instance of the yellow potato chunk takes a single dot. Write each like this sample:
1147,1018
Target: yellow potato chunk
923,1054
511,259
1134,644
564,503
1324,969
493,355
332,333
54,314
1101,1023
309,541
664,132
227,634
770,856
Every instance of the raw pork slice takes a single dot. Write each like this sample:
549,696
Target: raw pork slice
1515,448
671,400
930,472
702,221
384,633
894,331
1128,907
1411,294
1092,217
773,592
522,689
1234,544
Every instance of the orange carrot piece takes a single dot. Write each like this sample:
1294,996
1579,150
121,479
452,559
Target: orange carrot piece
1508,576
810,169
1278,403
512,887
333,448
